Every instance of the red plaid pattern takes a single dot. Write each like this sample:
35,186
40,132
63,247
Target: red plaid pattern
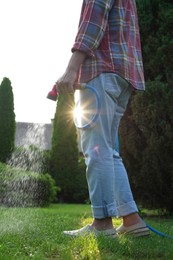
108,32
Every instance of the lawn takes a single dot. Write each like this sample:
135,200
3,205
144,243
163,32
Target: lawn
36,233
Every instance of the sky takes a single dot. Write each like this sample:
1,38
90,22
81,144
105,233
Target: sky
35,46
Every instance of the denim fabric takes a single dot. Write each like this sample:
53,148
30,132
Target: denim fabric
108,184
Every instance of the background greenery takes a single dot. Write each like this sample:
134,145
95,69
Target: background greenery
146,133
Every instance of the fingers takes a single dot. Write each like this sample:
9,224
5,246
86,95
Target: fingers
66,82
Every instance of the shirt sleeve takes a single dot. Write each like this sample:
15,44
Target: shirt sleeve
92,25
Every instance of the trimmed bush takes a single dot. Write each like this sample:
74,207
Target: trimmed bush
21,188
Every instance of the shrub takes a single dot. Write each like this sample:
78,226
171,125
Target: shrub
21,188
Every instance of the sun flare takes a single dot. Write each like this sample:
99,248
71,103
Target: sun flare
77,111
82,114
78,114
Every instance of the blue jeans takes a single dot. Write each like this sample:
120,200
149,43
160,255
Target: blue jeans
108,184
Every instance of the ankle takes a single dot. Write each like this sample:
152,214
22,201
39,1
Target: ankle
131,219
102,224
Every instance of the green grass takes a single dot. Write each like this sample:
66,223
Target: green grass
36,233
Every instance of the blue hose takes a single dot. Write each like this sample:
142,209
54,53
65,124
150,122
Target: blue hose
158,232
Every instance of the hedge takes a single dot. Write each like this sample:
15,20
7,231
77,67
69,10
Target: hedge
20,188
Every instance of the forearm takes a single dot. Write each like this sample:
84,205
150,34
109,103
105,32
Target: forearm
76,61
67,81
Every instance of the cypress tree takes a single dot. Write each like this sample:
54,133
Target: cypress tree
7,120
64,153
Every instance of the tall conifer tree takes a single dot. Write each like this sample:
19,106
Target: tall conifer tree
64,154
7,120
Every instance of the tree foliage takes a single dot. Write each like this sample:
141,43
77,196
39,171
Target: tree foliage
146,132
7,120
64,154
156,23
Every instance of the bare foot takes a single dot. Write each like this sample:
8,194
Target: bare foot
131,219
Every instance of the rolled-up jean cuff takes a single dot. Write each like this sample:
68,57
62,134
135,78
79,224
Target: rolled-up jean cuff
100,212
127,209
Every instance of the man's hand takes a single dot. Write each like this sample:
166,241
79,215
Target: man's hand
66,83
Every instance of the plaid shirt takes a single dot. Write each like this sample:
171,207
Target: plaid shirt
109,34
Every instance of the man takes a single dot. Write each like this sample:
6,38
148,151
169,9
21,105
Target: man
107,56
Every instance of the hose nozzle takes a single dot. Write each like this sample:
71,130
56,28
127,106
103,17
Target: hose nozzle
53,94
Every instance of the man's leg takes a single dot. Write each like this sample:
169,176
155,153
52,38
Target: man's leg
126,206
108,184
98,149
